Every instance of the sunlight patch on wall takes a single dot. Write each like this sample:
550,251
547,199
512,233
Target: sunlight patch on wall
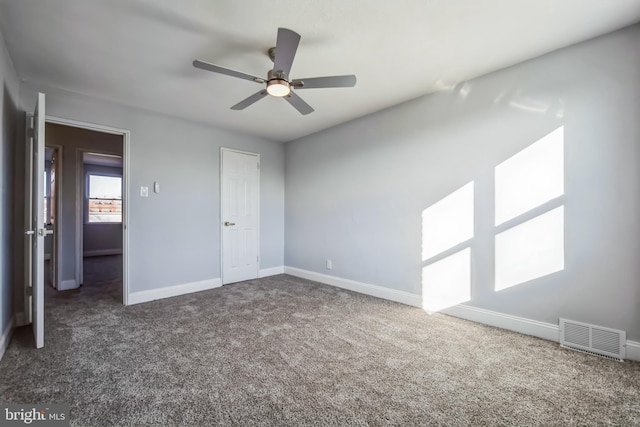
448,222
447,282
530,250
530,182
447,225
530,178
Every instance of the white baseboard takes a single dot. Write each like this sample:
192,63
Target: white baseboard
547,331
102,252
5,338
633,350
363,288
522,325
172,291
266,272
66,285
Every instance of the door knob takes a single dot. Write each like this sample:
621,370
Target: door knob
44,232
229,224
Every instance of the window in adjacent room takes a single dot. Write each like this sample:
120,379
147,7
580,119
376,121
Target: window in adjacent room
105,199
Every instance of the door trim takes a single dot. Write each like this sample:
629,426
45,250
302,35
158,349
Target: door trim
126,143
28,212
221,220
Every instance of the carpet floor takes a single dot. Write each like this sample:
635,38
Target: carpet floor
283,351
102,269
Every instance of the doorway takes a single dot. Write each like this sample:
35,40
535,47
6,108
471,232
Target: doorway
37,126
102,202
92,228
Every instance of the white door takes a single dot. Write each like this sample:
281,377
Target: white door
36,230
240,201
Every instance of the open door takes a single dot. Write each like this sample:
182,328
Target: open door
36,230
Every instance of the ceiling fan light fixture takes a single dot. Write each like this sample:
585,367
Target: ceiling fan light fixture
278,87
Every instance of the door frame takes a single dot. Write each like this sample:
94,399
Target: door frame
126,142
221,219
27,316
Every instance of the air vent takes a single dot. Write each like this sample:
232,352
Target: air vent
592,339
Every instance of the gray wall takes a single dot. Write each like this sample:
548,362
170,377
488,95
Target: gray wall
98,238
355,192
175,235
8,133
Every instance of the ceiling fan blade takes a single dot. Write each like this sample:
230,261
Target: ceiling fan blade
299,104
221,70
250,100
325,82
286,47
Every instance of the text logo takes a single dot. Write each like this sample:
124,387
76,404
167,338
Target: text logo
52,415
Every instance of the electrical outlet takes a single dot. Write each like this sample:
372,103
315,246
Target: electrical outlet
329,264
144,191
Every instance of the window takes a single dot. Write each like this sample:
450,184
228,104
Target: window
105,199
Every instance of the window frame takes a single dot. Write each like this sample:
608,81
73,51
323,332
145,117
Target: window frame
87,198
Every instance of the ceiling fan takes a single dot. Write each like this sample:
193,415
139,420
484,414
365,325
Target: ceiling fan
277,82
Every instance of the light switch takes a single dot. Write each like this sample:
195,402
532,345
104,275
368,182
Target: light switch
144,191
156,187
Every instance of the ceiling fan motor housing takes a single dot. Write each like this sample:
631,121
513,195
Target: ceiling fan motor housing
277,84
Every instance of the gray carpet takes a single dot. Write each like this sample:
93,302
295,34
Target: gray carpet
102,269
283,351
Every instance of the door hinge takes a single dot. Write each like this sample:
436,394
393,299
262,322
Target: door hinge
30,291
30,132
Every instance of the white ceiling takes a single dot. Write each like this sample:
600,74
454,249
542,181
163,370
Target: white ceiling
139,52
